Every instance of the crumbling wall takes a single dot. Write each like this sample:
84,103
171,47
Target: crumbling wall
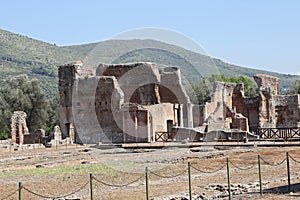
199,115
67,75
287,110
136,121
219,111
159,115
108,101
95,101
138,81
239,122
57,133
268,88
171,90
37,136
251,111
18,127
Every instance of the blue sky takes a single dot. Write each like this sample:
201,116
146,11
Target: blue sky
262,34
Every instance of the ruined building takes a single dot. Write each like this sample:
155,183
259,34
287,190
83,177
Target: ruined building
140,102
19,131
122,103
18,127
230,109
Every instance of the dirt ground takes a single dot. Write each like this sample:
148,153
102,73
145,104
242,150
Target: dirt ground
57,172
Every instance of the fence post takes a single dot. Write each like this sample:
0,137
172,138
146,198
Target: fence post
91,186
190,180
20,190
259,175
228,177
147,184
288,171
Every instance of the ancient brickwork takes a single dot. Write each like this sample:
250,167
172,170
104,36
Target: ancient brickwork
287,109
268,88
67,75
57,133
136,93
137,102
18,127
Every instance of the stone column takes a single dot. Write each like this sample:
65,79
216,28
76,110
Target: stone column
72,133
180,115
20,133
190,115
13,132
148,126
124,126
135,126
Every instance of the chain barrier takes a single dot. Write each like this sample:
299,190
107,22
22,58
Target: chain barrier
11,194
162,176
124,185
294,159
123,172
165,167
274,164
55,197
241,168
155,173
209,172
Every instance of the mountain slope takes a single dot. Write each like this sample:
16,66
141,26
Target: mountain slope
23,55
124,51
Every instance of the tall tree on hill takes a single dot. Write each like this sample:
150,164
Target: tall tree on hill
201,92
5,114
295,89
26,95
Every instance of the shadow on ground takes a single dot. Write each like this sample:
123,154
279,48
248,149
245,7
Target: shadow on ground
284,189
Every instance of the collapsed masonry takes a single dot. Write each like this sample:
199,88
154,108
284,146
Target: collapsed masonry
230,109
19,131
140,102
18,127
121,103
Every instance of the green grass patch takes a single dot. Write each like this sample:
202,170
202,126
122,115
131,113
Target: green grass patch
80,169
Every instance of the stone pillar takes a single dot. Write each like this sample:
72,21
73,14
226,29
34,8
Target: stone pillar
124,126
18,127
135,126
268,87
148,126
72,133
20,133
204,112
180,115
13,131
175,119
190,115
57,133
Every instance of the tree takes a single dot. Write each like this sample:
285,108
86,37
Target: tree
201,91
5,114
295,89
53,114
26,95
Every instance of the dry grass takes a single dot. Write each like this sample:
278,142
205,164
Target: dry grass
62,172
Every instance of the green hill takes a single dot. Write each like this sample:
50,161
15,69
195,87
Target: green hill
125,51
23,55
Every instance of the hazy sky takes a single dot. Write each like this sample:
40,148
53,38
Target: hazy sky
263,34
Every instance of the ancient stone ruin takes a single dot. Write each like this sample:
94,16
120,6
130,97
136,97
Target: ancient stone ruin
19,131
57,133
122,103
141,102
18,127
